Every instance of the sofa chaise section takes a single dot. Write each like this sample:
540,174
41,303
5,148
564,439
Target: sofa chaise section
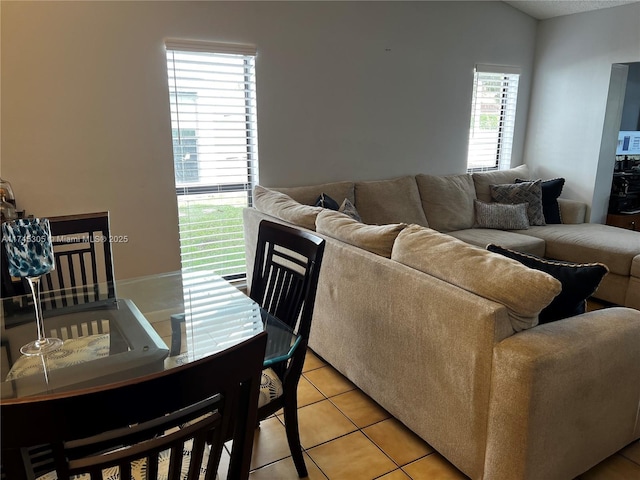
617,248
573,240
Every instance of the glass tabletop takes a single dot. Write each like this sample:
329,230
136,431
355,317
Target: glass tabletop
154,323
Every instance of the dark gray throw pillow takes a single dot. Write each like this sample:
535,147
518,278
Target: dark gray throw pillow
525,192
579,281
551,190
349,209
501,216
325,201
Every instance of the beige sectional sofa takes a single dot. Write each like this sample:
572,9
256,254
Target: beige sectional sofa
443,334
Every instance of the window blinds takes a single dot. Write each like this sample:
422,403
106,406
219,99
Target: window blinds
493,113
212,90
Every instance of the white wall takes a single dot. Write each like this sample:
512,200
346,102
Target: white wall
569,97
345,91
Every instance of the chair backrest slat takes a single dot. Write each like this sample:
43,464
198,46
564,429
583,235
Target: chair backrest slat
82,251
285,273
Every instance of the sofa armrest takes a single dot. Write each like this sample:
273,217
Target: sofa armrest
572,211
553,381
632,299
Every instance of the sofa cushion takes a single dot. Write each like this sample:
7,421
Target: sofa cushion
579,282
390,201
523,291
526,192
307,195
521,242
447,201
483,180
501,215
377,239
551,190
284,207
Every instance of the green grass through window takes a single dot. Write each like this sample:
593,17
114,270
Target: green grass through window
211,236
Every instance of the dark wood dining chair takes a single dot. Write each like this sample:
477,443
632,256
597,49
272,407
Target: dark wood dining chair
134,427
284,283
84,265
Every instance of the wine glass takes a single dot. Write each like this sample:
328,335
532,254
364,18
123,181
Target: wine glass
30,254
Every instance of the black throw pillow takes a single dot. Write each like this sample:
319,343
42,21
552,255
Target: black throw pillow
551,190
579,281
325,201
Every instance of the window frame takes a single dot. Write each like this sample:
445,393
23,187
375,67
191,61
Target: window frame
506,80
198,186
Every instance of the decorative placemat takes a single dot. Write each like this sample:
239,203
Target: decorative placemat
72,352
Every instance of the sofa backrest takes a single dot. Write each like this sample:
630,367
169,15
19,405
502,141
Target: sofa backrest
442,202
282,206
308,195
376,239
447,201
396,200
572,211
484,180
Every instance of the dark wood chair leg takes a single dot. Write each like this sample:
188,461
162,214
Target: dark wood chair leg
293,435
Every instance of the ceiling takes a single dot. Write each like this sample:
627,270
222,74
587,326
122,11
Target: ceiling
542,9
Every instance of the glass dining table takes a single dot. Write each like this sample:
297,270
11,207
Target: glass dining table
153,323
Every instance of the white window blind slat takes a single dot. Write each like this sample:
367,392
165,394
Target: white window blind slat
212,90
208,47
506,69
493,112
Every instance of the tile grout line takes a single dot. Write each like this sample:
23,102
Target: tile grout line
358,430
306,450
627,458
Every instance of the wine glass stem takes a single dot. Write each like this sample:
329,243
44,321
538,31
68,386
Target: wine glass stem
34,284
